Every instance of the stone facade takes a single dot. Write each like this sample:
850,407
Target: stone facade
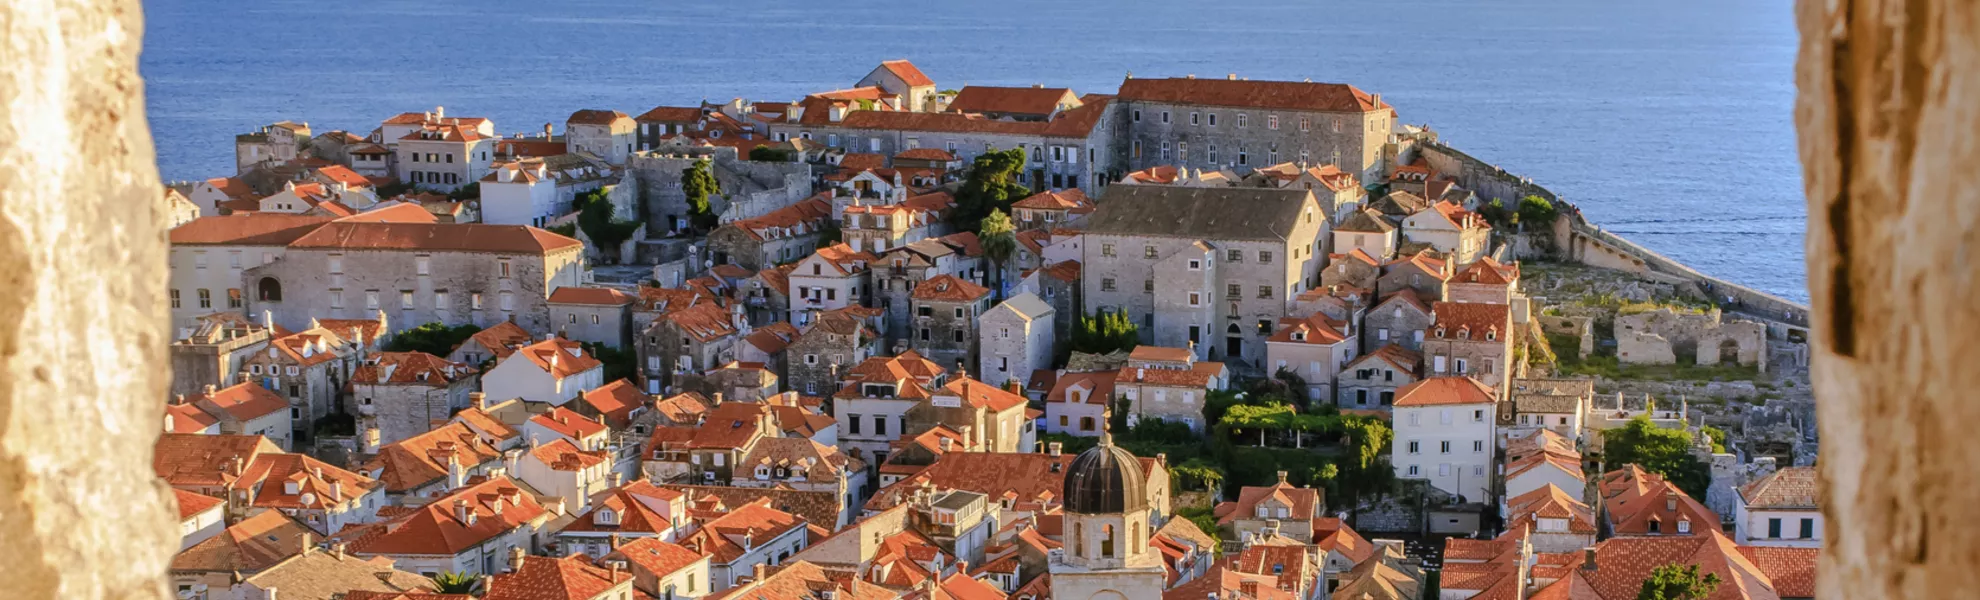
485,275
607,134
1223,123
829,346
1218,285
1665,336
782,236
1074,150
749,188
402,394
214,351
1016,340
310,368
1470,339
944,327
1400,320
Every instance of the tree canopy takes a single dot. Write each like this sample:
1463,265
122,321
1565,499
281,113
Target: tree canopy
432,338
599,220
1666,452
768,154
999,242
1537,212
1105,332
990,185
1677,582
699,183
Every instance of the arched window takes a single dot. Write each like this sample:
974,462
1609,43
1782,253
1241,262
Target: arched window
1107,542
1136,539
268,290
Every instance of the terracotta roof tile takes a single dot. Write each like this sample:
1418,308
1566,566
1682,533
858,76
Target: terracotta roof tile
546,578
1788,488
409,368
1244,93
1015,100
598,296
908,73
495,506
423,459
439,237
559,357
568,423
246,229
1438,391
249,546
1475,321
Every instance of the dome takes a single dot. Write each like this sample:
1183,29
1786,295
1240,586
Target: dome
1106,479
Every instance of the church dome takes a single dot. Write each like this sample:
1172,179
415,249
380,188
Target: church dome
1106,479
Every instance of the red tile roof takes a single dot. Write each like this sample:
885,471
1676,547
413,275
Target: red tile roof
927,154
616,400
568,423
246,229
344,175
546,578
1791,569
249,546
1634,499
187,418
191,504
1488,271
1015,100
949,288
721,538
1026,477
423,459
596,117
1244,93
196,460
908,73
559,357
409,368
562,455
442,237
495,506
502,339
599,296
670,114
655,555
977,394
1467,320
1550,502
1788,488
1098,386
244,401
1303,504
1439,391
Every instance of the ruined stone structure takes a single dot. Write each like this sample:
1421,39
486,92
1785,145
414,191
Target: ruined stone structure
749,188
1665,336
1580,328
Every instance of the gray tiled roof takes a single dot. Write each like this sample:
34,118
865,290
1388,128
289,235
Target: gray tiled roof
1215,213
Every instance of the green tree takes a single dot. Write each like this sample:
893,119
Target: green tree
699,183
1537,211
1666,452
432,338
600,222
990,185
1105,332
619,363
394,188
830,235
999,242
768,154
456,583
1677,582
1718,438
467,192
1495,213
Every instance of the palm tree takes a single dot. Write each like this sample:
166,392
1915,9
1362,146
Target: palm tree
456,583
999,242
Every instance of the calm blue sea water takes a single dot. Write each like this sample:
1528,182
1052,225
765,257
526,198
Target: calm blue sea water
1669,121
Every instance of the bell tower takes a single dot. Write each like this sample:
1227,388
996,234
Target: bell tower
1107,527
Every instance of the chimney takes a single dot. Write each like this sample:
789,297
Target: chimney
1588,559
461,512
1055,448
439,112
268,321
1282,478
615,564
613,541
478,399
516,559
618,479
209,391
1190,76
308,542
715,400
546,130
1670,501
241,377
760,571
1231,77
339,549
1376,99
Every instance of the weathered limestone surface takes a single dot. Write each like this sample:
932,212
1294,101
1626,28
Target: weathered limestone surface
83,322
1888,113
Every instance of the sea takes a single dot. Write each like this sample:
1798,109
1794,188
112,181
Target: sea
1667,122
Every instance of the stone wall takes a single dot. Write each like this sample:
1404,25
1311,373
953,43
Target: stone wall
1581,328
749,188
83,318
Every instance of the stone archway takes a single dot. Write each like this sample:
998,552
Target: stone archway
1729,351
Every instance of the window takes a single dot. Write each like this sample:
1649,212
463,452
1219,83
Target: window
1195,299
959,312
853,420
1807,529
594,319
1165,151
958,335
205,298
1477,446
406,299
1165,116
1107,284
1413,470
1195,118
1272,122
474,300
1478,416
423,265
571,318
1265,292
1236,256
1213,154
1213,119
1774,529
234,299
1232,290
1106,249
1137,115
1444,447
1195,265
1242,118
1413,446
879,425
175,298
1305,123
1264,257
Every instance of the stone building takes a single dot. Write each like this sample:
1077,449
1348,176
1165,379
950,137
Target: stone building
829,345
900,270
282,141
775,238
1399,319
444,156
1315,348
1370,381
1034,103
1446,429
663,122
1665,336
682,344
832,278
1423,273
1208,268
1078,403
1217,123
873,398
1473,340
607,134
1168,384
539,189
1557,405
310,368
1048,210
1451,230
1060,284
944,326
879,227
598,315
1339,191
1016,339
1366,231
402,394
749,188
453,274
1074,150
553,371
213,350
766,295
1486,281
209,254
900,78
